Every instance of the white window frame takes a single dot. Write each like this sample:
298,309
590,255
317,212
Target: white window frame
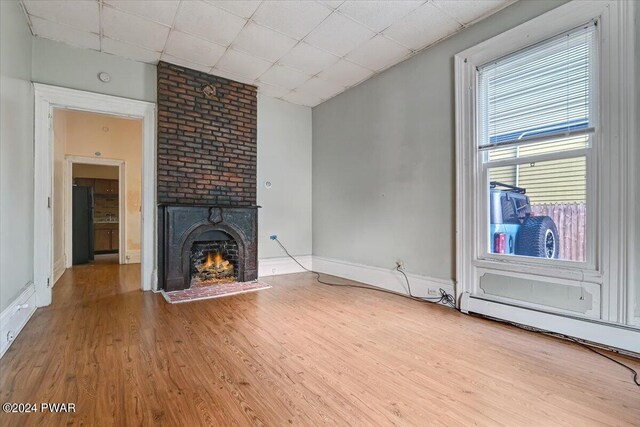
610,177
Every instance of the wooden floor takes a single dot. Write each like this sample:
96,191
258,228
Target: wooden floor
300,354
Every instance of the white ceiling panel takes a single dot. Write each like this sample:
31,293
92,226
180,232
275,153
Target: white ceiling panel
272,91
301,51
262,42
231,76
378,15
162,11
466,12
285,77
339,35
193,49
243,64
184,63
129,51
345,73
64,33
132,29
82,15
322,88
422,27
244,8
308,59
302,98
294,18
378,53
209,22
333,4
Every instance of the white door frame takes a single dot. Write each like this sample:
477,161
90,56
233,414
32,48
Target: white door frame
68,208
48,97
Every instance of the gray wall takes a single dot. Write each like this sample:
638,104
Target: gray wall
384,159
62,65
16,153
284,159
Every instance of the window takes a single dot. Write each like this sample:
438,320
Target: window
536,125
546,137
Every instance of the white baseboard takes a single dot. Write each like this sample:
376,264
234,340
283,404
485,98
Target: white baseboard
133,257
283,265
58,270
16,315
386,278
612,335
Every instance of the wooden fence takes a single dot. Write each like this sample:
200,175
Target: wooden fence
570,218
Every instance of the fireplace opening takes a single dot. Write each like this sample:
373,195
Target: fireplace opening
214,262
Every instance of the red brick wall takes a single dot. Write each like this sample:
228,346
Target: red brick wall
206,147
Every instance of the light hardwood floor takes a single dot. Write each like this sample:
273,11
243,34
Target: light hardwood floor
299,353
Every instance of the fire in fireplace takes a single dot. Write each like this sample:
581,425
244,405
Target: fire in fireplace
214,263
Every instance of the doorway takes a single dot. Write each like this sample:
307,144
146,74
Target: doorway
96,213
47,100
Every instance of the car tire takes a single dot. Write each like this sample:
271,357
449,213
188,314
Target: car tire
538,237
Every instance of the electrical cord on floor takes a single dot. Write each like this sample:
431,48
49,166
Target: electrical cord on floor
580,343
633,371
444,298
448,299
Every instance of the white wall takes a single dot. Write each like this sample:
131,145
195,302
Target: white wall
16,153
58,64
284,159
384,159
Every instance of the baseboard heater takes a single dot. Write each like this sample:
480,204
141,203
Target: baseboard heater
608,334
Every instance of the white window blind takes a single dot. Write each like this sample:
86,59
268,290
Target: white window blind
541,93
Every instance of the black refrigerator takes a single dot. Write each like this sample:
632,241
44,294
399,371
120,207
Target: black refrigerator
82,220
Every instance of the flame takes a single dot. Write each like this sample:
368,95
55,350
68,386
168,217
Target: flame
214,261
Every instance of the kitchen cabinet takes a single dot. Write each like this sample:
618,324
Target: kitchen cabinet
106,237
107,187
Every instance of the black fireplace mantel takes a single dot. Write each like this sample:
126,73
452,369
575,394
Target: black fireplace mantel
182,225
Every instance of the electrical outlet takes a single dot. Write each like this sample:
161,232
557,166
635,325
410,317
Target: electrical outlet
400,264
432,292
273,237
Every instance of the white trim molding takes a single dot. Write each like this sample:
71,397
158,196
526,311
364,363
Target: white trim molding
385,278
46,99
283,265
16,315
68,208
609,269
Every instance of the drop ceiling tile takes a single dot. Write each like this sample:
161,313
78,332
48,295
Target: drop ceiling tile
65,34
308,59
333,4
193,49
339,35
130,51
162,11
320,87
378,15
286,77
262,42
378,53
466,12
242,64
230,76
209,22
132,29
300,98
422,27
244,8
345,73
272,91
184,63
294,18
82,15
